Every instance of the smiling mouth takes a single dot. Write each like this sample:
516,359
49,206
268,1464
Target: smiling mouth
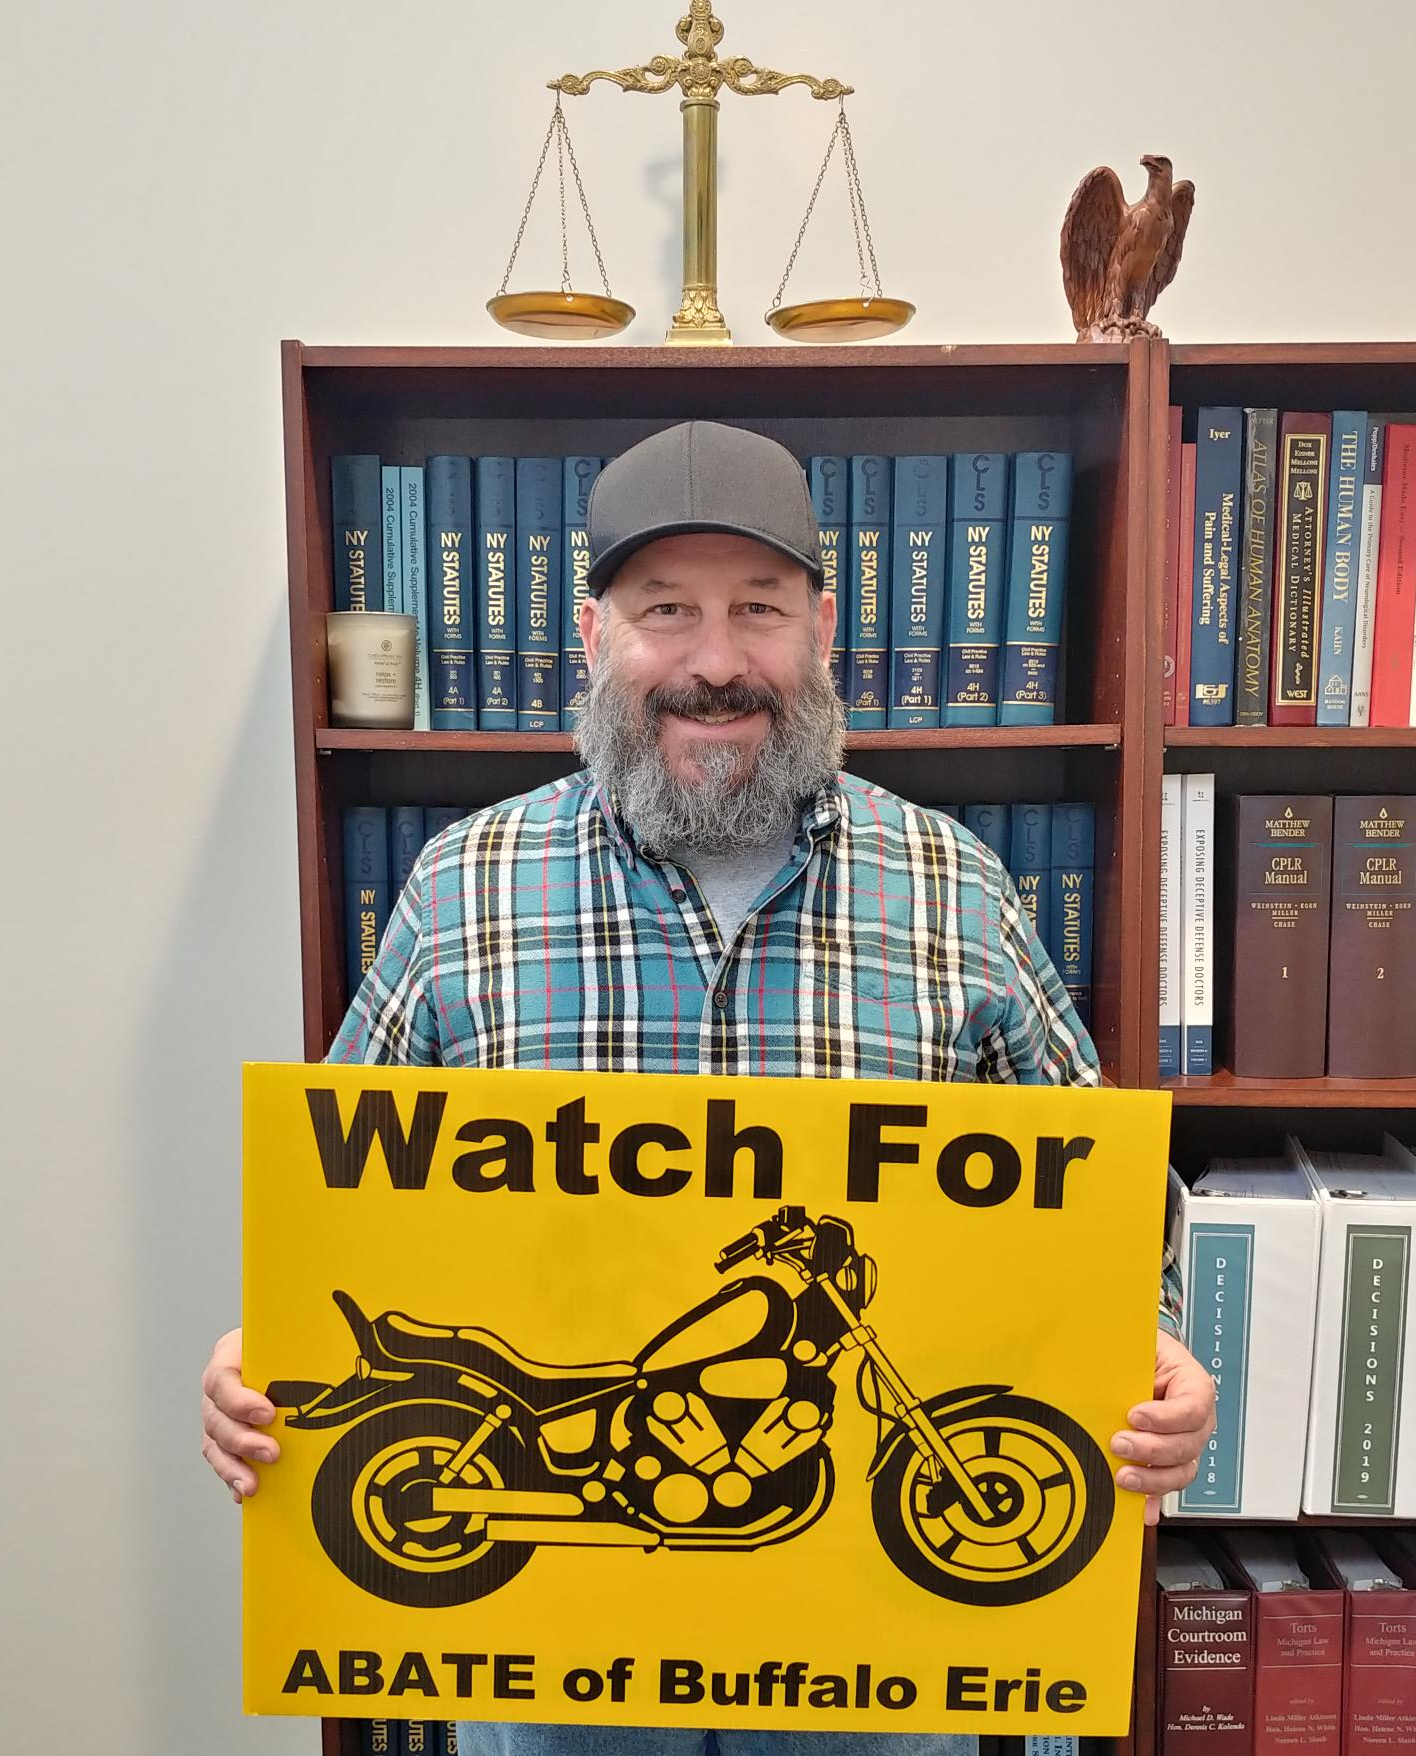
716,719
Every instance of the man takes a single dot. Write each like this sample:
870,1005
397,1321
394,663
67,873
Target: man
711,895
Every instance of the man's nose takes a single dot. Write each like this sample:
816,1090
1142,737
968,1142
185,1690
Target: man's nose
717,656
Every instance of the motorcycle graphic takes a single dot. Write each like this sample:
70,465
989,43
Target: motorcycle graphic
462,1457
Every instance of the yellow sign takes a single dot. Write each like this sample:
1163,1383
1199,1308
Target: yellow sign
641,1400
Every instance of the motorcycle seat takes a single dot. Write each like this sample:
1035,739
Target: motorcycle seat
533,1382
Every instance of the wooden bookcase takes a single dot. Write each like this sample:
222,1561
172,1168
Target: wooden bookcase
1105,403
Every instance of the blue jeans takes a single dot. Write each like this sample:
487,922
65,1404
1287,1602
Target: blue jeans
524,1740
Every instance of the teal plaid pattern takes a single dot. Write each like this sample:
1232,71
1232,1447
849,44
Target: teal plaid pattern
891,945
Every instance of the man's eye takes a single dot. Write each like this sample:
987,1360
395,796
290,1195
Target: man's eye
761,609
664,609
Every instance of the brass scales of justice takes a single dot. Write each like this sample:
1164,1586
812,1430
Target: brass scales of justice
567,315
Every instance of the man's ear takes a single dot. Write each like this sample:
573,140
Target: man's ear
825,623
592,620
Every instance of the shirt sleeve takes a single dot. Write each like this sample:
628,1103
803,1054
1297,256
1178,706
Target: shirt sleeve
390,1021
1039,1040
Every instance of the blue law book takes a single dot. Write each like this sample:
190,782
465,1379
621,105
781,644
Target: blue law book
420,1738
1041,505
1214,598
451,534
496,604
829,479
413,548
538,593
1030,864
366,897
868,595
406,835
918,541
579,475
391,500
356,536
990,824
380,1737
437,818
1070,904
978,544
949,811
1344,531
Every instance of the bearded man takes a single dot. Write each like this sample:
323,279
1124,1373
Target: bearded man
711,895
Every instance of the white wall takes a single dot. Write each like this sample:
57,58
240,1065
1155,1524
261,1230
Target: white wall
186,184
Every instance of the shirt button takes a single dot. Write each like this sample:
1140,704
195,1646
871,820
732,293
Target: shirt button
720,998
679,895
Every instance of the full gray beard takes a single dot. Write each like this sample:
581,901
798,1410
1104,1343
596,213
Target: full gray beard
741,801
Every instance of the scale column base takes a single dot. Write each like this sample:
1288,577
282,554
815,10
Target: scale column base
698,322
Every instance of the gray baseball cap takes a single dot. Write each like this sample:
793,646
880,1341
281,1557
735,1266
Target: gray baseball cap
701,476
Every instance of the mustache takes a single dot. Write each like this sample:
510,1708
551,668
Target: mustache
693,700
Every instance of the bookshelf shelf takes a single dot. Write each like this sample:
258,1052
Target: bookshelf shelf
332,738
1291,737
1223,1088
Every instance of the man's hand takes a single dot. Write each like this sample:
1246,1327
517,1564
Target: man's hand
1162,1445
232,1417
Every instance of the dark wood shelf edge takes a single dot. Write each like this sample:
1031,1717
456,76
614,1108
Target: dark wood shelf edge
1304,1521
332,738
1290,737
1222,1088
896,356
1299,354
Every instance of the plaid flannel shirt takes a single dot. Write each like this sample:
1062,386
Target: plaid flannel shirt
891,945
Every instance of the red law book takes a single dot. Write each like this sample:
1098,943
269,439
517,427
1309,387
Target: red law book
1396,583
1298,1645
1173,457
1379,1714
1185,585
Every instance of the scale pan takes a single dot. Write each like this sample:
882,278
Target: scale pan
857,319
561,316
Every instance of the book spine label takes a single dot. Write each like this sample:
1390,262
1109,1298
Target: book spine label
829,480
1037,583
1372,956
1376,1287
580,474
1184,618
1281,872
538,593
1392,669
1070,904
1255,587
391,500
413,547
1030,862
420,1737
1349,436
1219,1292
356,537
1381,1673
1170,930
1219,465
991,825
919,536
1175,432
978,533
1365,614
366,888
1298,1649
1196,996
405,843
1206,1673
496,610
868,681
450,538
1300,545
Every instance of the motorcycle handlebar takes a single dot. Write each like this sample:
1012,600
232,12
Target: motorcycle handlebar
738,1252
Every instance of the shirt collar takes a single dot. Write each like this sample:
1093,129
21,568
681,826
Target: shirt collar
819,816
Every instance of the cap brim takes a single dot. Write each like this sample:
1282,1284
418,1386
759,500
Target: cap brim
608,564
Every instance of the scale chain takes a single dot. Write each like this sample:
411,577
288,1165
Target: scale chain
859,220
559,131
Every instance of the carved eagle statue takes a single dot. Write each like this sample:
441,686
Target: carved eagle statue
1118,259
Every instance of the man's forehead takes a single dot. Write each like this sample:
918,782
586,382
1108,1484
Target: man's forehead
697,559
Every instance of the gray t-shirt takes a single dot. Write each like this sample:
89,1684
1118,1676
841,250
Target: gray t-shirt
731,882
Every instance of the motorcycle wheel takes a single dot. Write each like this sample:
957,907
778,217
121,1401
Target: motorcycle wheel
371,1512
1047,1484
